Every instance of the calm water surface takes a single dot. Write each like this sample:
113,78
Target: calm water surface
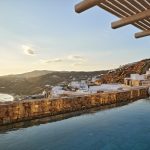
123,128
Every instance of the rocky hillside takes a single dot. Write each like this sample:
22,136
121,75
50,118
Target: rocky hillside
118,75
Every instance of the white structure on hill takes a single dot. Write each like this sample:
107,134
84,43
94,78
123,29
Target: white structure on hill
148,72
58,91
137,77
138,80
79,85
105,88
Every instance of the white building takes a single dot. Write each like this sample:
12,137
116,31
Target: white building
147,75
137,77
138,80
56,91
148,72
79,85
105,87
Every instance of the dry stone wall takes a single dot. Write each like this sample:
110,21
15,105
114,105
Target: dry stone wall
13,112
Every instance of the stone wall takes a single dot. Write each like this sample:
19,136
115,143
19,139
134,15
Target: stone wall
13,112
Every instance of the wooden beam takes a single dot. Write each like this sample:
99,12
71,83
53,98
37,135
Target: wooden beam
131,19
86,4
142,34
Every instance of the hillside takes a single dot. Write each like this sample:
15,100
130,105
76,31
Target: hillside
24,85
35,73
118,75
34,82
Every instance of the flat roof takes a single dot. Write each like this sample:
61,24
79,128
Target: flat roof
135,12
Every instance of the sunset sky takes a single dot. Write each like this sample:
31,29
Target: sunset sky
48,34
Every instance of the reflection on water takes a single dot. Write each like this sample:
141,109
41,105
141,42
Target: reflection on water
121,128
39,121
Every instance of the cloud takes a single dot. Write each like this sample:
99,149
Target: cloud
56,60
67,59
78,64
28,50
76,57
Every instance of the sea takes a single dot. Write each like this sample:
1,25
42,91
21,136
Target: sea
122,128
6,97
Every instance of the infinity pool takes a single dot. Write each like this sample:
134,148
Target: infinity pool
121,128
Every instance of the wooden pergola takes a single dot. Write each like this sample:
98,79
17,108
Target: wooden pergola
135,12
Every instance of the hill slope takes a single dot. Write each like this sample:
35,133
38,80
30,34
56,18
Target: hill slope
118,75
32,83
35,73
25,86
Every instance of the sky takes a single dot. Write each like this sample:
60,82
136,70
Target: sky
49,35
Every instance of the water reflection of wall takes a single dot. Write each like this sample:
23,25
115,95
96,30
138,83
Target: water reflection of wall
36,122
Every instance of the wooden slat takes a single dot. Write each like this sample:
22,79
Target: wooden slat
118,14
144,4
148,2
147,20
135,12
86,4
142,34
143,24
139,26
119,10
131,19
146,23
127,4
134,3
109,9
119,4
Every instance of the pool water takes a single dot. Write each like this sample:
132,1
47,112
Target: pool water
121,128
